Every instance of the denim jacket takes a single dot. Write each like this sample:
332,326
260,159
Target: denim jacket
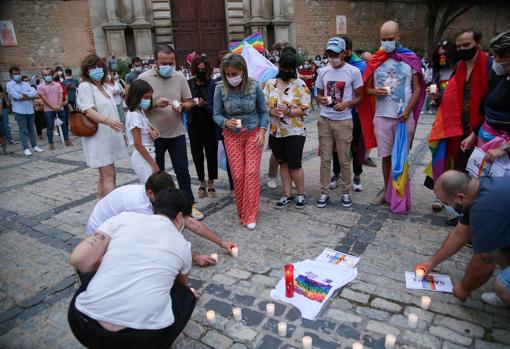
251,108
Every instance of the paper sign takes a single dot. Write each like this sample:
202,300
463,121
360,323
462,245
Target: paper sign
431,282
339,258
477,166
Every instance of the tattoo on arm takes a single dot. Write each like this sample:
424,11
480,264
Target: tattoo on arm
488,258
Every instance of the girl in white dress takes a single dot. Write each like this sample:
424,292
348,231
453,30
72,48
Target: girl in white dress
139,132
107,145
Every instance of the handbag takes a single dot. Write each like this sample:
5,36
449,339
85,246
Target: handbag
81,125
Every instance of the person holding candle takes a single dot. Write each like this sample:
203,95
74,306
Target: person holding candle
140,198
288,100
135,300
486,224
239,97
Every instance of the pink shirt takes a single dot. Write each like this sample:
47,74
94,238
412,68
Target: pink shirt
50,92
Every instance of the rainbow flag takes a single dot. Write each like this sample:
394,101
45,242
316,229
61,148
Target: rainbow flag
254,40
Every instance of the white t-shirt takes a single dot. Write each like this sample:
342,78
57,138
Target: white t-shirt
131,198
399,77
340,84
132,285
116,88
137,119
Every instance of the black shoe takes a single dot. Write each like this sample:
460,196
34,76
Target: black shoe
452,222
284,201
322,201
356,183
300,201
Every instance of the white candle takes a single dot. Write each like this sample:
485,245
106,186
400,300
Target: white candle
176,103
357,345
390,340
425,302
197,100
215,256
412,320
388,89
420,273
270,309
238,316
307,342
433,89
351,263
239,124
282,329
211,316
235,251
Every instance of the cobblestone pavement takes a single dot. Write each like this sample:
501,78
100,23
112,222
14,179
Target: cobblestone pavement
46,200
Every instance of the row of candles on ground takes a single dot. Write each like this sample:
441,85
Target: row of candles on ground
234,251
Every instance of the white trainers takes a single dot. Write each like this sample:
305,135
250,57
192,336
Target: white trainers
271,182
195,213
493,299
27,152
251,226
37,149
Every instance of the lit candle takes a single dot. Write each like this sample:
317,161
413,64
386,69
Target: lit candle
282,329
388,89
197,100
235,251
176,104
307,342
357,345
270,309
420,273
425,302
289,280
238,316
215,256
211,316
412,320
390,340
351,263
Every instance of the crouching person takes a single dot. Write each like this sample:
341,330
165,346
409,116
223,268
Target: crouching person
138,297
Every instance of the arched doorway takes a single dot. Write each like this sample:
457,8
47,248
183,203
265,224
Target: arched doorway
198,25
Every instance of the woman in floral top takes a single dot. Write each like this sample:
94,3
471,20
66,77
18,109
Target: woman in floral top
288,100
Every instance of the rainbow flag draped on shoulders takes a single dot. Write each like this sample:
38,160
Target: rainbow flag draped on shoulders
255,40
398,193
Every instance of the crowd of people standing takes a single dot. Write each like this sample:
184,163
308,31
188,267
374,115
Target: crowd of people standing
363,100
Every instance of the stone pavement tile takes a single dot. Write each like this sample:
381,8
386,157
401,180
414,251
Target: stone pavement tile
421,339
319,342
216,340
269,342
342,316
322,326
6,302
381,328
502,336
241,332
462,327
272,326
32,171
194,330
480,344
238,274
386,305
357,297
48,329
448,345
450,335
373,313
401,321
183,342
29,267
348,332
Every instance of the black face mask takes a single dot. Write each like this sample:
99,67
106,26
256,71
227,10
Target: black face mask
286,75
201,75
467,54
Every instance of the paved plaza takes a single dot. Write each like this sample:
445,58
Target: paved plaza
45,201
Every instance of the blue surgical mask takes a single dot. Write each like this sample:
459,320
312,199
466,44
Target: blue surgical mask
499,68
145,104
306,66
388,46
96,74
166,70
48,79
16,77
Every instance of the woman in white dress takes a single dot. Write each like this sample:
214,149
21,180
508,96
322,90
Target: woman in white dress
107,145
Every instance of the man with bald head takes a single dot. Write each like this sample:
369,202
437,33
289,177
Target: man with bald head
395,80
485,207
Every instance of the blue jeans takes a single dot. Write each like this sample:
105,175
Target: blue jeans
178,155
26,123
50,116
5,122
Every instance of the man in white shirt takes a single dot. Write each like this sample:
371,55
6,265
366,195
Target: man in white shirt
338,91
138,297
139,198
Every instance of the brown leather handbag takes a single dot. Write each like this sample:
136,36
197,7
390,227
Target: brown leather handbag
81,125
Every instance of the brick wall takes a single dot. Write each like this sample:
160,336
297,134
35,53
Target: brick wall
49,33
316,22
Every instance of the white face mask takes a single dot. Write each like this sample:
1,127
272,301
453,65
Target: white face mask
335,62
499,68
183,226
236,80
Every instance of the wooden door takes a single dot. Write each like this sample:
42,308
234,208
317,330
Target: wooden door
198,25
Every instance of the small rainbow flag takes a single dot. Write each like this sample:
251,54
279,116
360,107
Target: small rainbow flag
254,40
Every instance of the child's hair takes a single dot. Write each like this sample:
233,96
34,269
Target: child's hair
135,93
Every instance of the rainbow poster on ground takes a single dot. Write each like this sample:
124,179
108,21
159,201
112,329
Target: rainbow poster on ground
315,283
331,256
431,282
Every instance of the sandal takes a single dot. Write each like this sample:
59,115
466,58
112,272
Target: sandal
211,192
201,192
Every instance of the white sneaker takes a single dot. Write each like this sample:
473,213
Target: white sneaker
27,152
251,226
55,133
37,149
493,299
271,182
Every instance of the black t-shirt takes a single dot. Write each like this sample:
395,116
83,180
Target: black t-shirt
489,217
497,100
201,115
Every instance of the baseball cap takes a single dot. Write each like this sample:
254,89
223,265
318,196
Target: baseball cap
336,44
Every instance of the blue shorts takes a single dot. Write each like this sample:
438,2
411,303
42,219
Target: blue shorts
504,277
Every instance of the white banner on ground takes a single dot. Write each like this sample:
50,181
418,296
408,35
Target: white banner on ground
314,284
338,258
477,166
431,282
